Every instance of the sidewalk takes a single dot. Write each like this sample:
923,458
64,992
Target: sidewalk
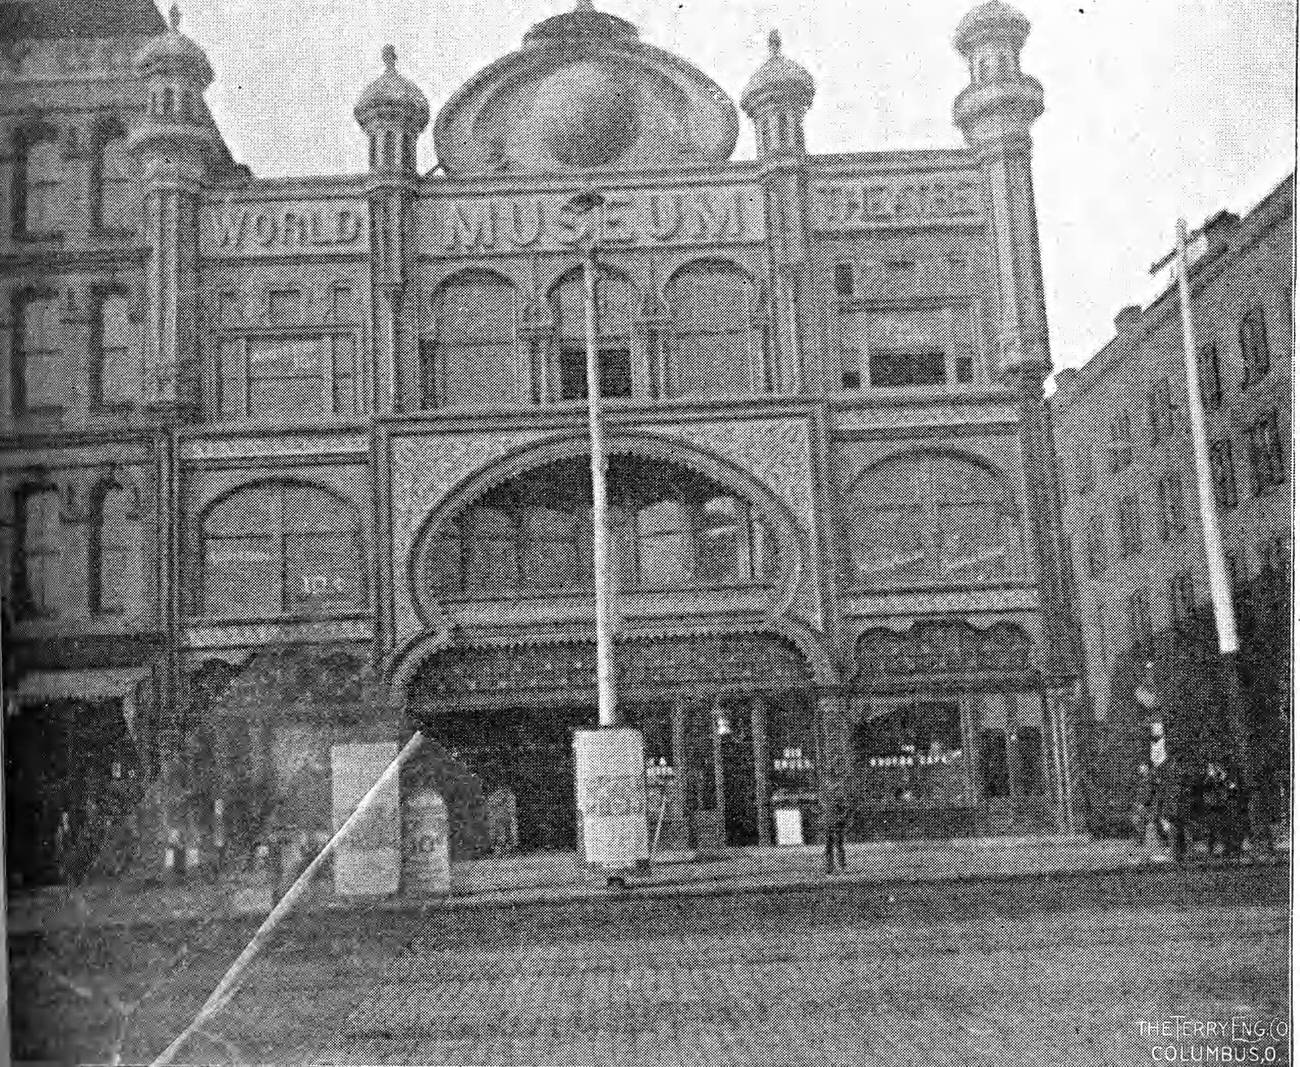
558,877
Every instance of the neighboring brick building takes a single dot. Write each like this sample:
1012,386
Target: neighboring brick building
275,450
1130,503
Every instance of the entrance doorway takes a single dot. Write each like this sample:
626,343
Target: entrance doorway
71,779
530,752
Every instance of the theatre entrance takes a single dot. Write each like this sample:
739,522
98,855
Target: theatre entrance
714,712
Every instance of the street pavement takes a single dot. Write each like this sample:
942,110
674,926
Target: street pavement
1081,966
559,876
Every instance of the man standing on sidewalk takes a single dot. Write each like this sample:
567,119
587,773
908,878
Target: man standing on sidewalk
837,817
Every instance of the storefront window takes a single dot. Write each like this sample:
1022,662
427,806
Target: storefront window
911,752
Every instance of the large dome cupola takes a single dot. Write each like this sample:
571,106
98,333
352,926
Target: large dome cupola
584,91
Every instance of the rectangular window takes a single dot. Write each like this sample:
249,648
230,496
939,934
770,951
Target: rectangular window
1085,473
43,166
906,370
286,377
117,204
116,373
995,771
1029,756
1255,358
1267,463
850,379
1173,516
1182,600
1211,376
284,306
1095,546
1223,473
844,279
1139,615
1130,526
40,381
1121,441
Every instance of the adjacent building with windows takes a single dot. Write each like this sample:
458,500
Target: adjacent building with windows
1130,495
294,462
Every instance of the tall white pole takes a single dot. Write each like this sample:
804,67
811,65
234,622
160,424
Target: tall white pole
1220,589
606,694
1225,618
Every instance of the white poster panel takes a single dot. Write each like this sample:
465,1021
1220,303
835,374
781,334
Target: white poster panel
426,847
609,769
368,861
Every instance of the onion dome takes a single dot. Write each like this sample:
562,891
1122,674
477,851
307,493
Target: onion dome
173,53
993,17
779,76
393,97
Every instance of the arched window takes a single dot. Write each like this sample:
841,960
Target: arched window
115,366
715,351
931,518
282,548
1256,360
616,305
37,566
491,550
113,548
39,378
732,549
38,166
474,341
665,547
112,187
669,529
553,549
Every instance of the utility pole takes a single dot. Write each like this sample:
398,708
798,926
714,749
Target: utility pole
609,761
1225,619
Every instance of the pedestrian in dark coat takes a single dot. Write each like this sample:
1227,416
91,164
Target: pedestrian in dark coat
837,817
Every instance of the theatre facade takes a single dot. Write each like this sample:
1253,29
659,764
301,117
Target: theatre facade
290,463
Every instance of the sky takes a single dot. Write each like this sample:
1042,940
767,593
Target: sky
1155,108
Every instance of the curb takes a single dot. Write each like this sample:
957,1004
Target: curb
690,889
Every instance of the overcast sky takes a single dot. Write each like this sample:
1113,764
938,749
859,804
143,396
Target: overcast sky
1155,108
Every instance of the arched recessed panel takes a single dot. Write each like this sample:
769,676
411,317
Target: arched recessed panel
716,348
475,360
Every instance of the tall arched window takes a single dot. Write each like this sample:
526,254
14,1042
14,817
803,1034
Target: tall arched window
39,381
615,312
715,350
282,548
932,518
113,547
38,166
474,341
115,356
37,566
112,188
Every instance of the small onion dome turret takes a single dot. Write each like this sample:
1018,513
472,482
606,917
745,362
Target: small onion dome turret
173,54
779,77
991,18
392,97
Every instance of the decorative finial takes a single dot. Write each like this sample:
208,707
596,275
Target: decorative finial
774,42
389,56
584,7
174,18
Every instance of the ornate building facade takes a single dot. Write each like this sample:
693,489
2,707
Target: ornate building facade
287,460
1130,500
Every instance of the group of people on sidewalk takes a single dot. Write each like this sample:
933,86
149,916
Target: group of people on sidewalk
1180,801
